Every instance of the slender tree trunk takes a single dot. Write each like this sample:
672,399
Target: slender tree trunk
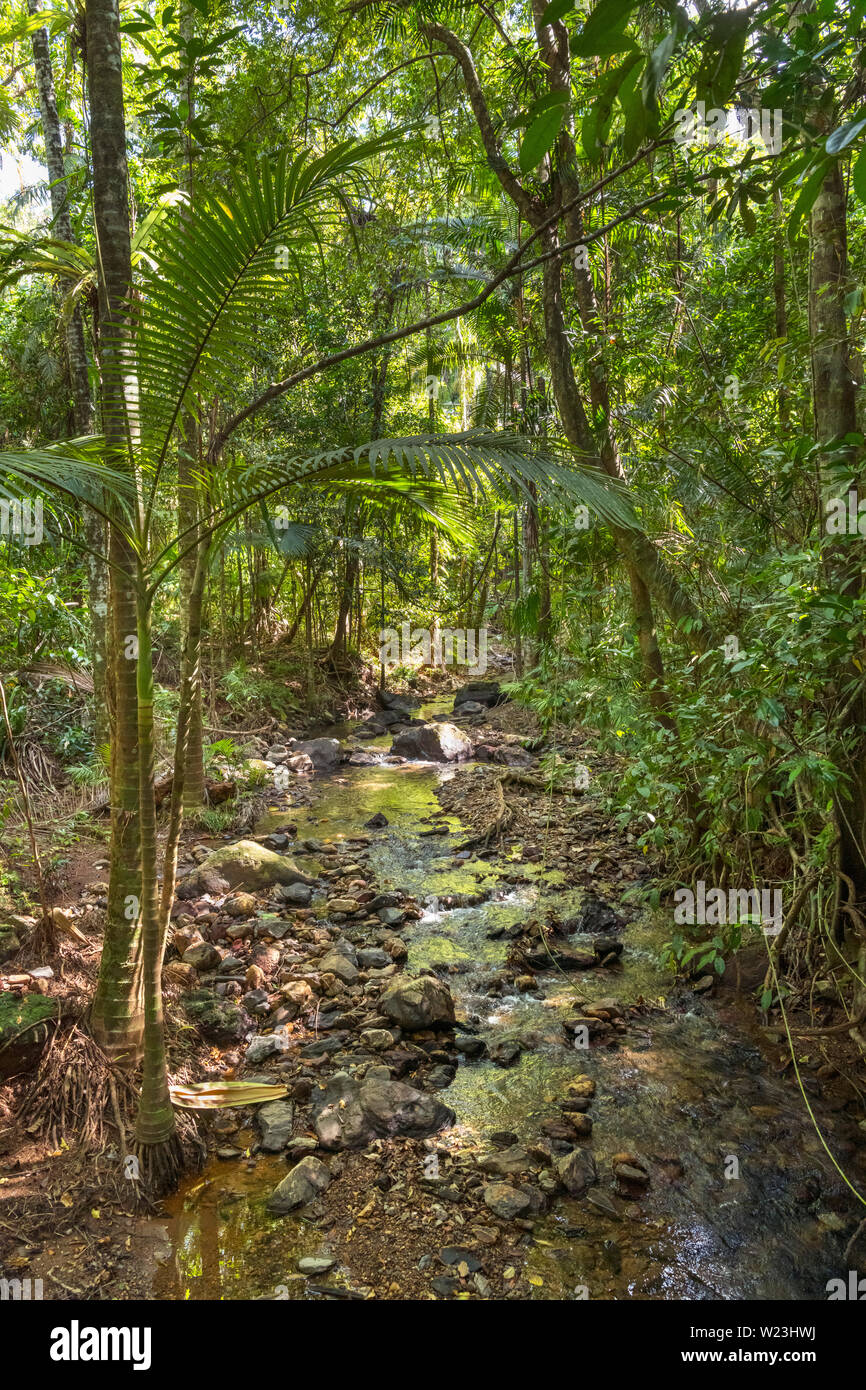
79,381
117,1017
188,488
159,1148
835,411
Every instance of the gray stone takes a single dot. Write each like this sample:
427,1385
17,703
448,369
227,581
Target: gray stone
438,743
506,1201
244,864
323,752
335,963
202,957
373,958
348,1114
415,1004
338,1117
295,894
275,1121
304,1183
577,1171
392,1107
315,1264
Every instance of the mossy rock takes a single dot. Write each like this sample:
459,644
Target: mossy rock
216,1019
10,944
244,864
24,1030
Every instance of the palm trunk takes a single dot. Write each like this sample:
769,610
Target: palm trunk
117,1018
159,1147
190,681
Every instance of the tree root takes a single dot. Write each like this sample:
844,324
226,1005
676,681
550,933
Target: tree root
72,1091
79,1095
502,814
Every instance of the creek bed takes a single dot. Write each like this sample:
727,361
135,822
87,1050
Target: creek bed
727,1143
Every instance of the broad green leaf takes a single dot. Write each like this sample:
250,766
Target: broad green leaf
858,176
842,137
556,9
604,27
546,118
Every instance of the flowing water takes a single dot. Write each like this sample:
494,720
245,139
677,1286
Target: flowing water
729,1145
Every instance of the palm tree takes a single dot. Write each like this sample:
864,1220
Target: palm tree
208,274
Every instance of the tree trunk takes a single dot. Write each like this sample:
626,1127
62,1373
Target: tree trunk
79,382
835,412
117,1017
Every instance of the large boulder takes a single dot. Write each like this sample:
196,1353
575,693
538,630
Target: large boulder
392,1107
244,864
304,1183
338,1115
415,1004
324,753
487,693
348,1114
432,743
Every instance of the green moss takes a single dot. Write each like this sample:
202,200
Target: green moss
17,1013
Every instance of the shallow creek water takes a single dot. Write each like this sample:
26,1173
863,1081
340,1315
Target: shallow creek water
681,1091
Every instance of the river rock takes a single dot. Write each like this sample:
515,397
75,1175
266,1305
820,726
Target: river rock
335,963
240,905
275,1121
437,743
376,1039
316,1264
202,957
577,1171
392,1107
295,894
563,957
421,1003
345,905
243,864
373,958
348,1114
304,1183
506,1201
216,1019
595,915
338,1116
323,752
487,693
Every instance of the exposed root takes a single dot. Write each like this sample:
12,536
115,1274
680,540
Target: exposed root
160,1168
79,1095
72,1091
499,823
